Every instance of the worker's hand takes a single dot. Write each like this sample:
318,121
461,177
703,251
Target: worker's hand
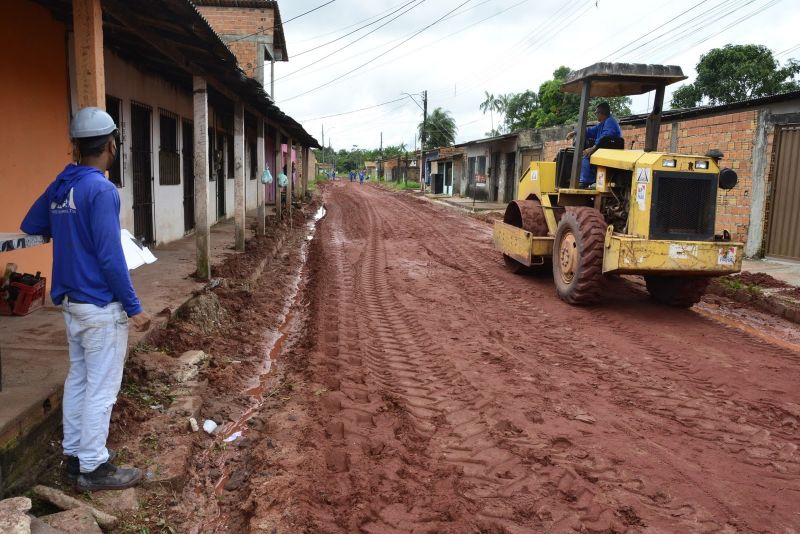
141,321
589,151
570,135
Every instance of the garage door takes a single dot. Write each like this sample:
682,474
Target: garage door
784,225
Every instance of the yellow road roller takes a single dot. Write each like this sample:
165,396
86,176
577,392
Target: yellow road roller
647,213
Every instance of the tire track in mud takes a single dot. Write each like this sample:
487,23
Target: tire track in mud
688,413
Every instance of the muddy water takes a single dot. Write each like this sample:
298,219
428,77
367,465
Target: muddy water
272,346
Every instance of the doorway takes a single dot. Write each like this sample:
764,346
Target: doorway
142,172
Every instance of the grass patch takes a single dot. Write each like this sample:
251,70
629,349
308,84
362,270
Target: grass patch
402,186
731,283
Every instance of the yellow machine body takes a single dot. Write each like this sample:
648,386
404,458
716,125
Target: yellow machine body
631,252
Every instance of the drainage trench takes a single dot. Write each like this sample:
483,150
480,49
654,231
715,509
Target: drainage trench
272,345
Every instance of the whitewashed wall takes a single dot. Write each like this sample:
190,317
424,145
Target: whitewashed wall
126,82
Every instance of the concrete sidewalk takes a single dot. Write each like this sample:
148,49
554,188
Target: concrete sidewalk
468,204
35,358
787,271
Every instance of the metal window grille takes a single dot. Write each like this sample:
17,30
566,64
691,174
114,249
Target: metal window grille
169,162
114,108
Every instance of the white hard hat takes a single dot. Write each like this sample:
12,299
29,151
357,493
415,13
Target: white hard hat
91,122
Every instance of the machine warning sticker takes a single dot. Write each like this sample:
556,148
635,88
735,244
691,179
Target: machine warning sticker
727,256
641,194
678,251
643,176
601,178
534,175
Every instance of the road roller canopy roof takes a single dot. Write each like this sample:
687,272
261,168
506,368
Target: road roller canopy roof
622,79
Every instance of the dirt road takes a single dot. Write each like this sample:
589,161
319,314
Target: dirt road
427,389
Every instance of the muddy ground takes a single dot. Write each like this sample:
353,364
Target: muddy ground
418,386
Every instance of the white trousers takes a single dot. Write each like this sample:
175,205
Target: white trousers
98,342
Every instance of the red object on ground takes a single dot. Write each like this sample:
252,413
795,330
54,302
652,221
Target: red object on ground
29,299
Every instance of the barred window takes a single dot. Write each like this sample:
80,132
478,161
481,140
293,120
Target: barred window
114,108
169,163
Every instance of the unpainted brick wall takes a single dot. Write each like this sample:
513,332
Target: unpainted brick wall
241,21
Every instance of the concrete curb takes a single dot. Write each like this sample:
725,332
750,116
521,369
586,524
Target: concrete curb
768,301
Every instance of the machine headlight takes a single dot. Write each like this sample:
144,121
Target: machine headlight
701,164
669,163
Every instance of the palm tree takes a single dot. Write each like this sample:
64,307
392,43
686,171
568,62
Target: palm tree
489,104
440,129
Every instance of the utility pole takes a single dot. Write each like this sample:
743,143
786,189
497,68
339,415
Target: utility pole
380,159
420,170
323,143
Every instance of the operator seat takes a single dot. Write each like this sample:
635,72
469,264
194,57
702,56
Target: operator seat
565,156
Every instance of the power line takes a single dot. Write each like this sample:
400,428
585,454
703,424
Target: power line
654,29
281,24
734,23
687,32
788,50
713,15
453,15
417,4
354,110
380,55
350,33
332,32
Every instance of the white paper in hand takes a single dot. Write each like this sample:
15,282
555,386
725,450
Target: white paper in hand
136,254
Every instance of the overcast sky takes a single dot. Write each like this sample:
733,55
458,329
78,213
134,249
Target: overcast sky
500,46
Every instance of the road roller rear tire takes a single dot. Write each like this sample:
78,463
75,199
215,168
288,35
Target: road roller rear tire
678,291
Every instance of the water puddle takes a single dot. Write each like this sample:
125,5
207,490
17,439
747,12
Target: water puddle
272,345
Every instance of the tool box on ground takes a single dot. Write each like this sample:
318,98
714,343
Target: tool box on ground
20,294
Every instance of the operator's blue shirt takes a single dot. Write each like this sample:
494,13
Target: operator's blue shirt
80,211
608,128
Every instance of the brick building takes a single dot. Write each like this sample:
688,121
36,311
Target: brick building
253,31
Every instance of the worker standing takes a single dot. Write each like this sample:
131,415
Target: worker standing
80,211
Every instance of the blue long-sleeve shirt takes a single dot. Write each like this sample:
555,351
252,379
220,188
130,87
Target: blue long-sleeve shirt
80,211
608,128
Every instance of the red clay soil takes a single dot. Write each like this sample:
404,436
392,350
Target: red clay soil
424,388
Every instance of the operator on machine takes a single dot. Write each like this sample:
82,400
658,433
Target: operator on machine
607,127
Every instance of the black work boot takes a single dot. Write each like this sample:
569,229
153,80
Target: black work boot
109,477
73,466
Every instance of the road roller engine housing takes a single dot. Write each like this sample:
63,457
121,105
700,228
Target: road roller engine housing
648,213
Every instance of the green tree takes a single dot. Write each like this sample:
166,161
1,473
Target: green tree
440,129
520,109
556,107
549,106
734,73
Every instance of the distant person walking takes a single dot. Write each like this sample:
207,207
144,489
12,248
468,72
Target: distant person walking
80,211
361,177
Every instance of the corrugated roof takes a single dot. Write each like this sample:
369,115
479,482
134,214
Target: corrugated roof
171,38
686,113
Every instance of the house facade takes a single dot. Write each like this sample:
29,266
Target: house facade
164,74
